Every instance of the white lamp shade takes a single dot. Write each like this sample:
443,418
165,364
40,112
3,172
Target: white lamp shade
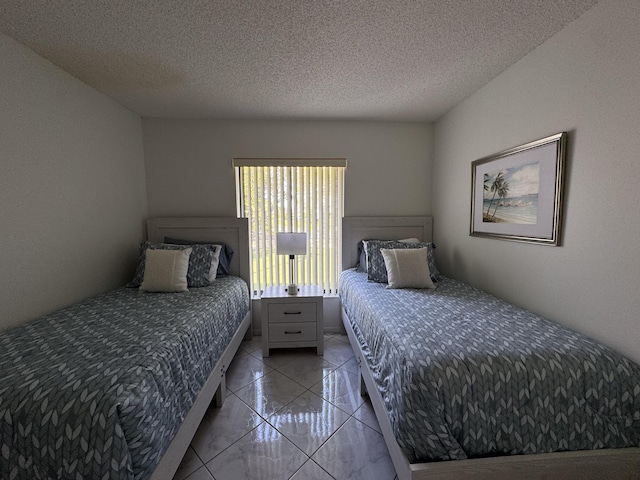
289,243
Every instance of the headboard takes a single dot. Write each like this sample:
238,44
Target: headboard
230,230
355,229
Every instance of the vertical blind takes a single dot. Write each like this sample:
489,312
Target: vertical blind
293,195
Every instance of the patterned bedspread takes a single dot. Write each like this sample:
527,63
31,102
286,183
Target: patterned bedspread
98,390
463,374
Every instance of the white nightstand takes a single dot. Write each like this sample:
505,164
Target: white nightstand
292,320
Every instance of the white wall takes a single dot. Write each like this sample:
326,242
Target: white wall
72,191
584,80
189,172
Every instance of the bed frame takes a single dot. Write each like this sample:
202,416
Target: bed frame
235,233
592,464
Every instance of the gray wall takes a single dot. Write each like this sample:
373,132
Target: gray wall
72,192
584,80
189,172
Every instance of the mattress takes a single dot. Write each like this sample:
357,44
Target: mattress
99,389
463,374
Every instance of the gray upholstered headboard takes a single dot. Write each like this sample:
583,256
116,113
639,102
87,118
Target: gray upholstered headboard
355,229
230,230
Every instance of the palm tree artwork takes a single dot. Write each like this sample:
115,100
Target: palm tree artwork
520,194
499,187
503,192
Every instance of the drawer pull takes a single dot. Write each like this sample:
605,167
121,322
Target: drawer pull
293,313
297,332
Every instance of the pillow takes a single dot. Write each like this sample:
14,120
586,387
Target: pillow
166,270
376,270
203,263
362,258
407,268
361,266
226,252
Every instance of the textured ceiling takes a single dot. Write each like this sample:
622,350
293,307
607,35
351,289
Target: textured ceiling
286,59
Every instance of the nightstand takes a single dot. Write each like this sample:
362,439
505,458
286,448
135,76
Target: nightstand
290,321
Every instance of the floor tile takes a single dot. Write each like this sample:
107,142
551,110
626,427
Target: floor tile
308,421
309,400
356,452
270,393
341,388
343,338
337,351
281,356
264,453
221,427
253,345
245,369
307,370
351,365
190,463
311,471
367,415
201,474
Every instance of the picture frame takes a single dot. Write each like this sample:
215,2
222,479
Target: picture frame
517,194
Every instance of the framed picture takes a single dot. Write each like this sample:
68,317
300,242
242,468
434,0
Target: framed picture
517,194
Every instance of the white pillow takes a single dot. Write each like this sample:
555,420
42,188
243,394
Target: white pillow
166,270
410,240
215,260
407,268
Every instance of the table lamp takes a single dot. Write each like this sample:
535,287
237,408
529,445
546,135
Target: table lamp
292,244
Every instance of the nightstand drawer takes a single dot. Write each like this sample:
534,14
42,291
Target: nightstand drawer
292,332
292,312
292,321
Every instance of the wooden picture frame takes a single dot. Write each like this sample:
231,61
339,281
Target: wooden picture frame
517,194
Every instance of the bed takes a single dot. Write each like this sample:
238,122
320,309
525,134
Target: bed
114,387
463,389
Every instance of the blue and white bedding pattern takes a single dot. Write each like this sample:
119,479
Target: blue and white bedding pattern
463,374
98,390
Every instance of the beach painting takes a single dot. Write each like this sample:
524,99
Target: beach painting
517,194
511,195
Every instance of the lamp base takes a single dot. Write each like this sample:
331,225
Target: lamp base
292,289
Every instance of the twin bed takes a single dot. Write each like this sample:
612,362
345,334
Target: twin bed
115,387
465,385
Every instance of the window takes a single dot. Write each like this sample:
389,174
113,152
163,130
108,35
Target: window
292,195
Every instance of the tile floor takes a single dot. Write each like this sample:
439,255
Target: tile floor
293,415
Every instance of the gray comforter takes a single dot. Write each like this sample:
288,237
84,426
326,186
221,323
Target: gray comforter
463,374
98,390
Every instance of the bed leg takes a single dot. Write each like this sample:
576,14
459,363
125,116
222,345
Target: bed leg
363,387
248,335
218,398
